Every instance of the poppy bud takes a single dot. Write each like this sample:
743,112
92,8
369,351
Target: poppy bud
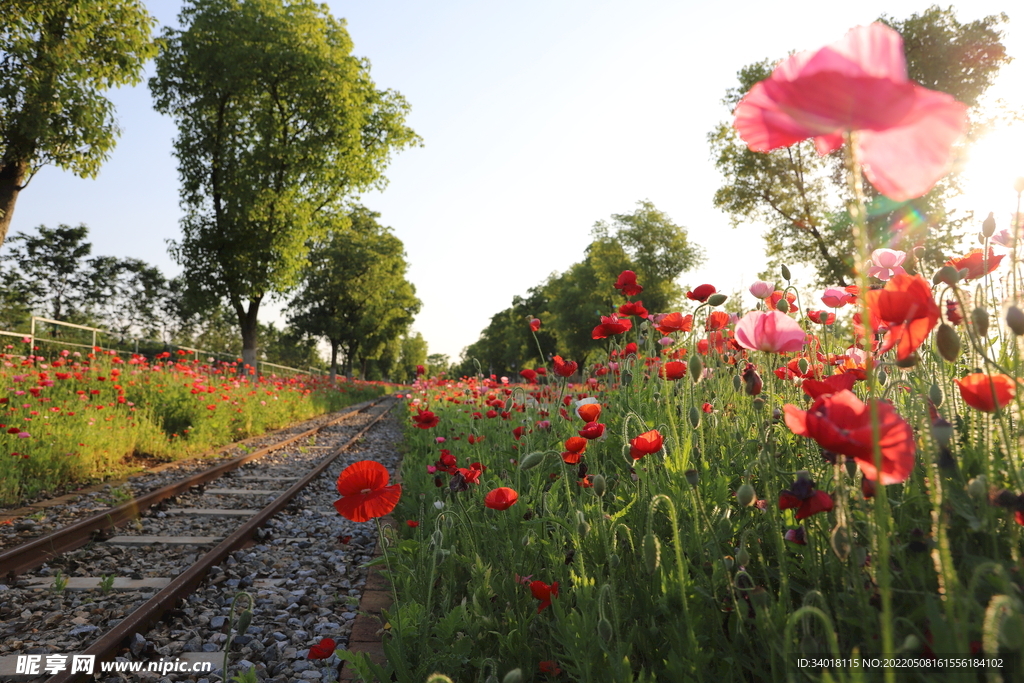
737,383
696,367
599,484
694,417
745,495
244,620
942,432
437,537
782,306
613,560
882,376
988,226
493,678
729,562
692,477
752,380
582,527
786,275
977,488
979,316
802,364
1015,320
840,542
525,540
652,552
513,676
946,274
604,629
935,395
742,556
947,341
909,362
717,299
532,460
758,403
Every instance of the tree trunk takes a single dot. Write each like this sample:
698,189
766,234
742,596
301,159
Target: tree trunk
12,177
247,321
334,360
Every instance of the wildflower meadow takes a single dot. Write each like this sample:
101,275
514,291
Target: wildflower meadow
812,489
80,417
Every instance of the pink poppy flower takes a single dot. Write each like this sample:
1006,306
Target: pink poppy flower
886,263
769,331
762,289
860,83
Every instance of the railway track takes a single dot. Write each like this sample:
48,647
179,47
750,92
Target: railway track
158,588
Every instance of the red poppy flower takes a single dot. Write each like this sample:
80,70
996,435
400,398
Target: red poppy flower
675,322
777,296
751,380
830,385
953,314
975,263
534,324
322,650
701,293
592,430
564,368
518,432
716,321
611,325
803,496
905,306
425,419
627,283
365,493
501,498
821,317
420,370
589,412
528,374
797,535
906,131
549,667
841,423
674,369
411,523
980,393
645,444
633,308
543,592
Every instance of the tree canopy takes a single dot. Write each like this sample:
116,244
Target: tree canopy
278,126
56,60
355,293
800,196
570,304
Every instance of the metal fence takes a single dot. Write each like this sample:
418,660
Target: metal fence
108,341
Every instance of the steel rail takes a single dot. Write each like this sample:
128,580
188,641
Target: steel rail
185,583
31,554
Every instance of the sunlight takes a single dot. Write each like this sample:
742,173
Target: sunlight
995,162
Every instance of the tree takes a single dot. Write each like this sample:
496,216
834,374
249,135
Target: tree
800,196
570,304
56,60
355,293
52,275
278,124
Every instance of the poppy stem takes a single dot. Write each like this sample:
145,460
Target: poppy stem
394,588
862,241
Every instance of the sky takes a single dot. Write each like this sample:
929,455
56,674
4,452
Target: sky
538,118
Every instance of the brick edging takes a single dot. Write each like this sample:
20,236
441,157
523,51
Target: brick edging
365,636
